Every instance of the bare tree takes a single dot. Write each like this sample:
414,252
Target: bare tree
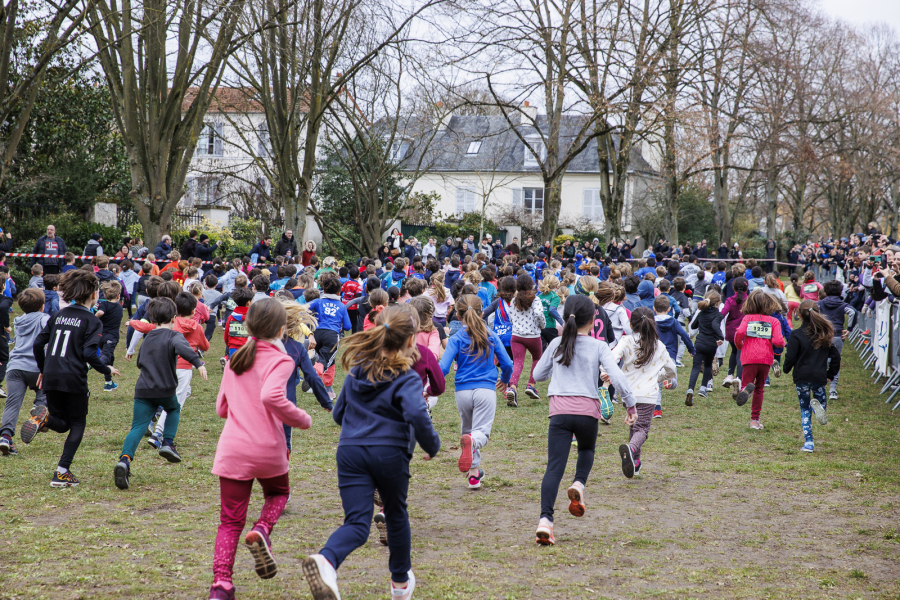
161,89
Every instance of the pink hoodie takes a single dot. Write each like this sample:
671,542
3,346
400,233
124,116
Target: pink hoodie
758,350
252,444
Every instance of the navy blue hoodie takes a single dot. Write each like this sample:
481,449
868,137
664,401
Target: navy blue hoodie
380,414
669,331
834,309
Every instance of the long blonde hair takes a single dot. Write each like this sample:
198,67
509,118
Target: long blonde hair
297,316
437,286
548,284
383,352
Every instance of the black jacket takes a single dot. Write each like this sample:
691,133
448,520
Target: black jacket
157,360
810,365
6,246
205,251
188,249
40,247
770,250
709,322
262,251
111,320
722,252
284,244
72,339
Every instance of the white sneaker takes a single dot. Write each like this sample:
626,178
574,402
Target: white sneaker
679,364
404,593
321,577
702,392
728,380
832,396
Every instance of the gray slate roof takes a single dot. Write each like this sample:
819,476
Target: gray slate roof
501,149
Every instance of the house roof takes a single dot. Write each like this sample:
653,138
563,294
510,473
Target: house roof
502,150
232,100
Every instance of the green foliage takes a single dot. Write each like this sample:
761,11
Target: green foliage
696,216
73,229
562,239
340,249
20,277
235,240
469,225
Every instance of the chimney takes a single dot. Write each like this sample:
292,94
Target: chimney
442,118
530,112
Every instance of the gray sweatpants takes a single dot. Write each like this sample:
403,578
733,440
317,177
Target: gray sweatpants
17,384
476,411
839,344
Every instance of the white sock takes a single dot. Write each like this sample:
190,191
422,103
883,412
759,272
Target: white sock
62,470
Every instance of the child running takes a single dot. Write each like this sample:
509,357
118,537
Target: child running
708,320
380,410
475,349
157,385
527,316
572,363
815,360
252,444
646,360
72,341
755,336
333,320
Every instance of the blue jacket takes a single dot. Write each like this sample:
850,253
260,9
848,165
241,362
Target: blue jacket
669,331
331,312
646,291
632,301
451,277
476,372
51,303
644,270
391,279
834,309
262,251
380,414
300,356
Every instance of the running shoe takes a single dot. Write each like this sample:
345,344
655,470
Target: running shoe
110,386
809,447
63,480
466,453
544,533
321,577
657,414
689,398
679,364
381,526
576,499
833,395
404,593
261,549
169,452
531,392
475,482
122,472
702,392
2,393
627,456
305,385
819,411
637,467
742,396
729,379
511,397
776,369
756,425
223,361
37,422
218,591
7,447
155,441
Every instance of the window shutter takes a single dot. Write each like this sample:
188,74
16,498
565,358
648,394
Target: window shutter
587,204
218,144
470,200
517,197
191,191
460,201
263,149
598,207
213,196
202,141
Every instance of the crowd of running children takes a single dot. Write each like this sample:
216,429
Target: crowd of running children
601,332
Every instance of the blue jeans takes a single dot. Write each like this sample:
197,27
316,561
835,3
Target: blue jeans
361,470
805,392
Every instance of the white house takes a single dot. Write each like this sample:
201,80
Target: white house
479,159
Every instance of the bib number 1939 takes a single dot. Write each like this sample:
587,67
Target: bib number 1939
65,343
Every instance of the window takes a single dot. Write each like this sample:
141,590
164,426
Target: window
211,138
531,199
465,200
591,207
537,145
398,151
202,191
474,147
264,142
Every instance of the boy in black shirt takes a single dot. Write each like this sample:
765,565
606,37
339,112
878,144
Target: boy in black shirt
109,311
72,339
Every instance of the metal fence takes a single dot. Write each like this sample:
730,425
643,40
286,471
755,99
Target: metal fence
872,331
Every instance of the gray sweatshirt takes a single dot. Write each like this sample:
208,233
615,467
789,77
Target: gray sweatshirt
27,329
580,377
157,359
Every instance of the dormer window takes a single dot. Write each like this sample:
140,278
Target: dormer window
398,151
535,147
474,148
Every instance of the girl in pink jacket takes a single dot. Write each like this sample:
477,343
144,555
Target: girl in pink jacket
252,445
755,336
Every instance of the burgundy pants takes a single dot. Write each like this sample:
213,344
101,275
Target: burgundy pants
519,347
233,515
755,374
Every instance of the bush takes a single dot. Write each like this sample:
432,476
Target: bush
232,240
561,239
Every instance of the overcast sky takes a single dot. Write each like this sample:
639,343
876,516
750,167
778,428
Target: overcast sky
865,11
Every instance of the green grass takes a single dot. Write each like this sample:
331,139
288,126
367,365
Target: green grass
720,511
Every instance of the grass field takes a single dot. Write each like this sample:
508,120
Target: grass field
720,510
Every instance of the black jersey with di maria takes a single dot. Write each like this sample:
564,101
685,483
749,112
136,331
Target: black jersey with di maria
68,343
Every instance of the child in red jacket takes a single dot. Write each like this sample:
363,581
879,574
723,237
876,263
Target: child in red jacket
755,336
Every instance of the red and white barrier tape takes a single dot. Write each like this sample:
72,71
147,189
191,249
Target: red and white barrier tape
111,258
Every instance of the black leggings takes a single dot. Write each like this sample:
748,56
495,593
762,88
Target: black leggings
559,442
734,362
548,334
702,360
68,412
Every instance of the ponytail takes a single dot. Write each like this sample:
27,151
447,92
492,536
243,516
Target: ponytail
264,320
579,311
820,329
468,309
643,324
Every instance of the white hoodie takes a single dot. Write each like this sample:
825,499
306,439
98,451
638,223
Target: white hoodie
643,380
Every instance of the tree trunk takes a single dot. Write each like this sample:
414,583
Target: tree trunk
771,201
721,206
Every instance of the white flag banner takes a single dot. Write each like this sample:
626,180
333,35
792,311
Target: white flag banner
882,335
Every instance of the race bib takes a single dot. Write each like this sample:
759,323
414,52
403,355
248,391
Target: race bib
759,329
810,288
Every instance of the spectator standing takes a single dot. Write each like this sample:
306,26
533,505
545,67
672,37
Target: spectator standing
262,249
189,245
163,248
429,249
770,255
396,243
203,250
52,244
308,253
287,245
6,246
94,247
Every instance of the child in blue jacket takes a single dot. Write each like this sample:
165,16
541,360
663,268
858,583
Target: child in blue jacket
333,320
670,331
